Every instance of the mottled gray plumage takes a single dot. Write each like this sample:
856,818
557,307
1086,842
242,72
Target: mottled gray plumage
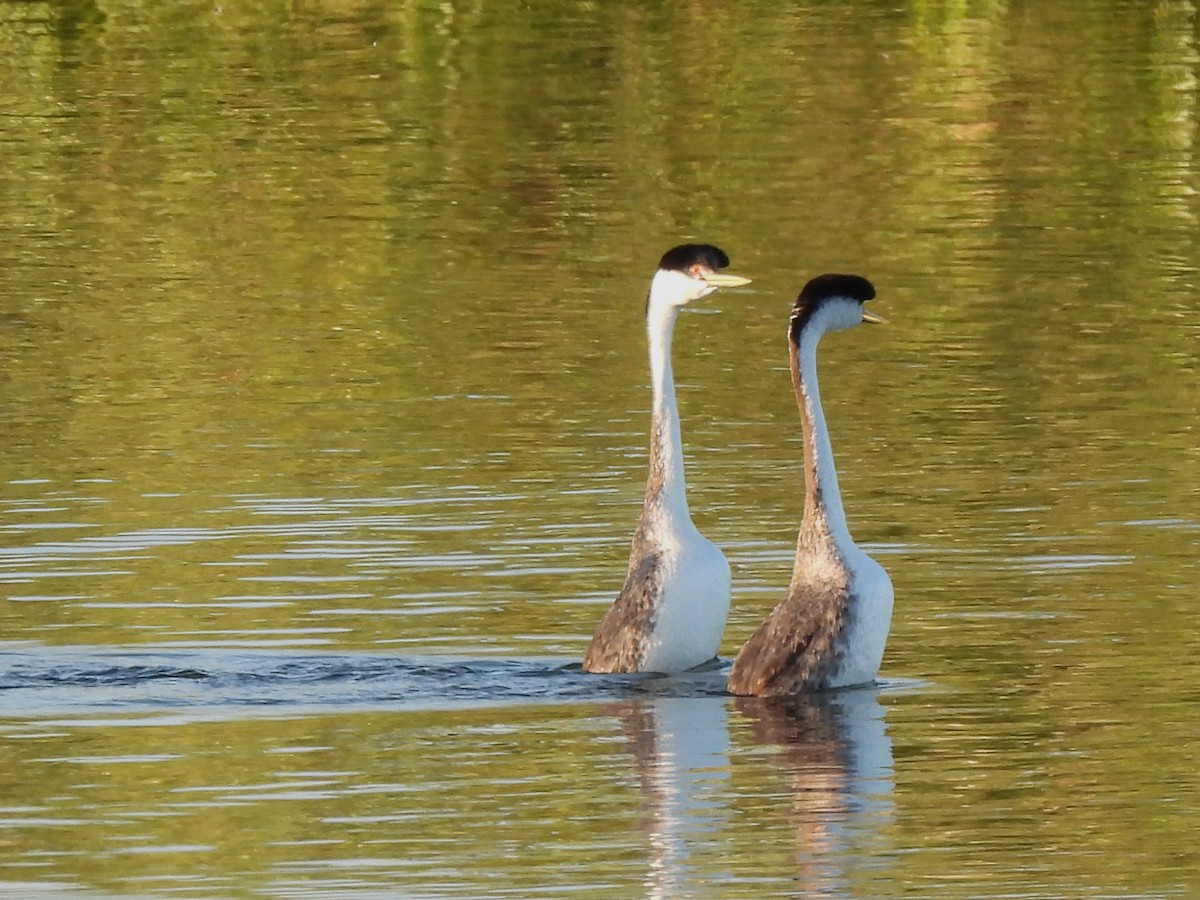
797,648
619,644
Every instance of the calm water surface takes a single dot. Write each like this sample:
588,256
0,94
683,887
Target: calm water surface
323,405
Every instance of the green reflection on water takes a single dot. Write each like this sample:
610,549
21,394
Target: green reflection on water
371,255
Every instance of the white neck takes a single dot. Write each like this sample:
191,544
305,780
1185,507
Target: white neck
822,497
666,447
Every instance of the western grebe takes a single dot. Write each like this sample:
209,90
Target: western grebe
670,615
830,629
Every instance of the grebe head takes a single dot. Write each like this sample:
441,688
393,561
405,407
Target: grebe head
689,272
835,301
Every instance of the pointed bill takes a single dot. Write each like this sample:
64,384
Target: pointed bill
724,279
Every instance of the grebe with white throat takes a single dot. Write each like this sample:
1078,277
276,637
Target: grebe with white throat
830,629
670,615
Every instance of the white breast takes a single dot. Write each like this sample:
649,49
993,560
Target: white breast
870,620
695,603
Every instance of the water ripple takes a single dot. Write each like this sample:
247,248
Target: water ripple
39,682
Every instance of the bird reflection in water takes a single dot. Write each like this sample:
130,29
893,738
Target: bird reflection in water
680,750
837,756
835,753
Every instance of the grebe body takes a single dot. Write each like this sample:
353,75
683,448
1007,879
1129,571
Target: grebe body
830,629
670,614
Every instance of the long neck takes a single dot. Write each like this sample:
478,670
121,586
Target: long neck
824,518
665,487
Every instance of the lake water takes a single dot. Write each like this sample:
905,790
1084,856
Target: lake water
323,417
